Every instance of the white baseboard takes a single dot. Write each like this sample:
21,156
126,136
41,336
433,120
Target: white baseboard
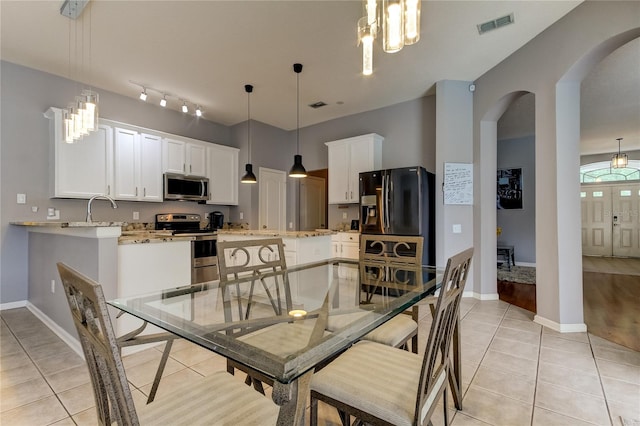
13,305
532,265
70,340
479,296
560,328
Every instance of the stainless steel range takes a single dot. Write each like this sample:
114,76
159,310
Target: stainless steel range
204,259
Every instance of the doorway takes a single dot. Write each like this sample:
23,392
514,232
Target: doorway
272,190
312,203
611,220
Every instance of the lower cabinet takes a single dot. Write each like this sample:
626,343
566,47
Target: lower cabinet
346,244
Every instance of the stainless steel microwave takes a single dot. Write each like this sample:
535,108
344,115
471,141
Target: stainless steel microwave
187,188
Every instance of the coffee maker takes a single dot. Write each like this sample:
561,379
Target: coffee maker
216,220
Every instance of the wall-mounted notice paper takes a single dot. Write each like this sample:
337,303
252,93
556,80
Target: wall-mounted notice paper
458,183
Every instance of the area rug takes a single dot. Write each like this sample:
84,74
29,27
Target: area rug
518,274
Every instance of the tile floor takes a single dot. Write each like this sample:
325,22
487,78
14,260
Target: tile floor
514,373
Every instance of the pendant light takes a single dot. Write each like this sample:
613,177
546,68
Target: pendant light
619,161
249,177
298,170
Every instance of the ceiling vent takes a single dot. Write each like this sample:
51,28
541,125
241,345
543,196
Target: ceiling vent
496,23
317,105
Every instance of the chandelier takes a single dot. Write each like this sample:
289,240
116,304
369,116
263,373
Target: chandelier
398,21
619,161
81,115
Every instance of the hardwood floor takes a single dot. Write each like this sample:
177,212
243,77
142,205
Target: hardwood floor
611,292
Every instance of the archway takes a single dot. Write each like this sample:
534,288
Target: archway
556,85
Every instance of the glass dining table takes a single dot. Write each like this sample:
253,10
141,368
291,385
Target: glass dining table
283,324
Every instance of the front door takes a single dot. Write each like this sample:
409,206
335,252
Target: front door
272,188
610,220
626,220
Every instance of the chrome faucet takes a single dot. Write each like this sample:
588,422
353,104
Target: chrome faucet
104,197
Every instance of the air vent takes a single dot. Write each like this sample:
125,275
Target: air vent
317,105
496,23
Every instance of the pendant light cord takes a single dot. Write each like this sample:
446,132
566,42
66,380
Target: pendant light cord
298,113
249,123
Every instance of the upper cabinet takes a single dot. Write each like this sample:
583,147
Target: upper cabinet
347,159
126,162
137,166
223,175
187,158
81,169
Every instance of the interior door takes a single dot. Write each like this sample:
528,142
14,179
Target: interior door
312,201
596,221
272,188
626,220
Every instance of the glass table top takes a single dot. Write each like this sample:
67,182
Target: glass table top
284,323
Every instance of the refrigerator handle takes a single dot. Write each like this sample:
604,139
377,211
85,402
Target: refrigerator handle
385,204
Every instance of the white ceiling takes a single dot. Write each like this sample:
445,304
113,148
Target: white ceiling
206,51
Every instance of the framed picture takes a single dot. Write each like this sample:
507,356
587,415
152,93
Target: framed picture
509,189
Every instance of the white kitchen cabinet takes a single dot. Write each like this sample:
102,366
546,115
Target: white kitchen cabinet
346,244
223,175
182,157
347,159
151,167
84,168
137,166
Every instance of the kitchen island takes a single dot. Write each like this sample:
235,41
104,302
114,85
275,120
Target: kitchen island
91,248
299,246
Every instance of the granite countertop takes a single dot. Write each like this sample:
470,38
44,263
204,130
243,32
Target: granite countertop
274,233
150,237
54,224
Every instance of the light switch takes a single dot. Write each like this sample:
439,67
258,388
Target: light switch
22,199
457,228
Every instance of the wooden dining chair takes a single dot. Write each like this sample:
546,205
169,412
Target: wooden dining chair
394,251
379,384
215,399
264,262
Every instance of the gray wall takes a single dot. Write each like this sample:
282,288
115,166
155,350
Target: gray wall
26,95
409,133
519,225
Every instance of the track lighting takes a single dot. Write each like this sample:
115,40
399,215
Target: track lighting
164,98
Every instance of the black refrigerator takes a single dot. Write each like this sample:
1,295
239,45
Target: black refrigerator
400,202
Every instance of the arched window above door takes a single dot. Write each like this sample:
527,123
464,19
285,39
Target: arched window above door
603,172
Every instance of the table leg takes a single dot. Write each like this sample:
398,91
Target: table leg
455,368
292,398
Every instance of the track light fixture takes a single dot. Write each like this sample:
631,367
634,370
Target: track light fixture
164,98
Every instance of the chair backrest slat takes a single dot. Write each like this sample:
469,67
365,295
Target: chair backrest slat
391,248
114,402
435,364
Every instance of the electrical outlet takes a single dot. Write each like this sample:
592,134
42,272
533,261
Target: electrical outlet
53,213
53,286
241,215
136,215
21,199
344,215
34,209
290,225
